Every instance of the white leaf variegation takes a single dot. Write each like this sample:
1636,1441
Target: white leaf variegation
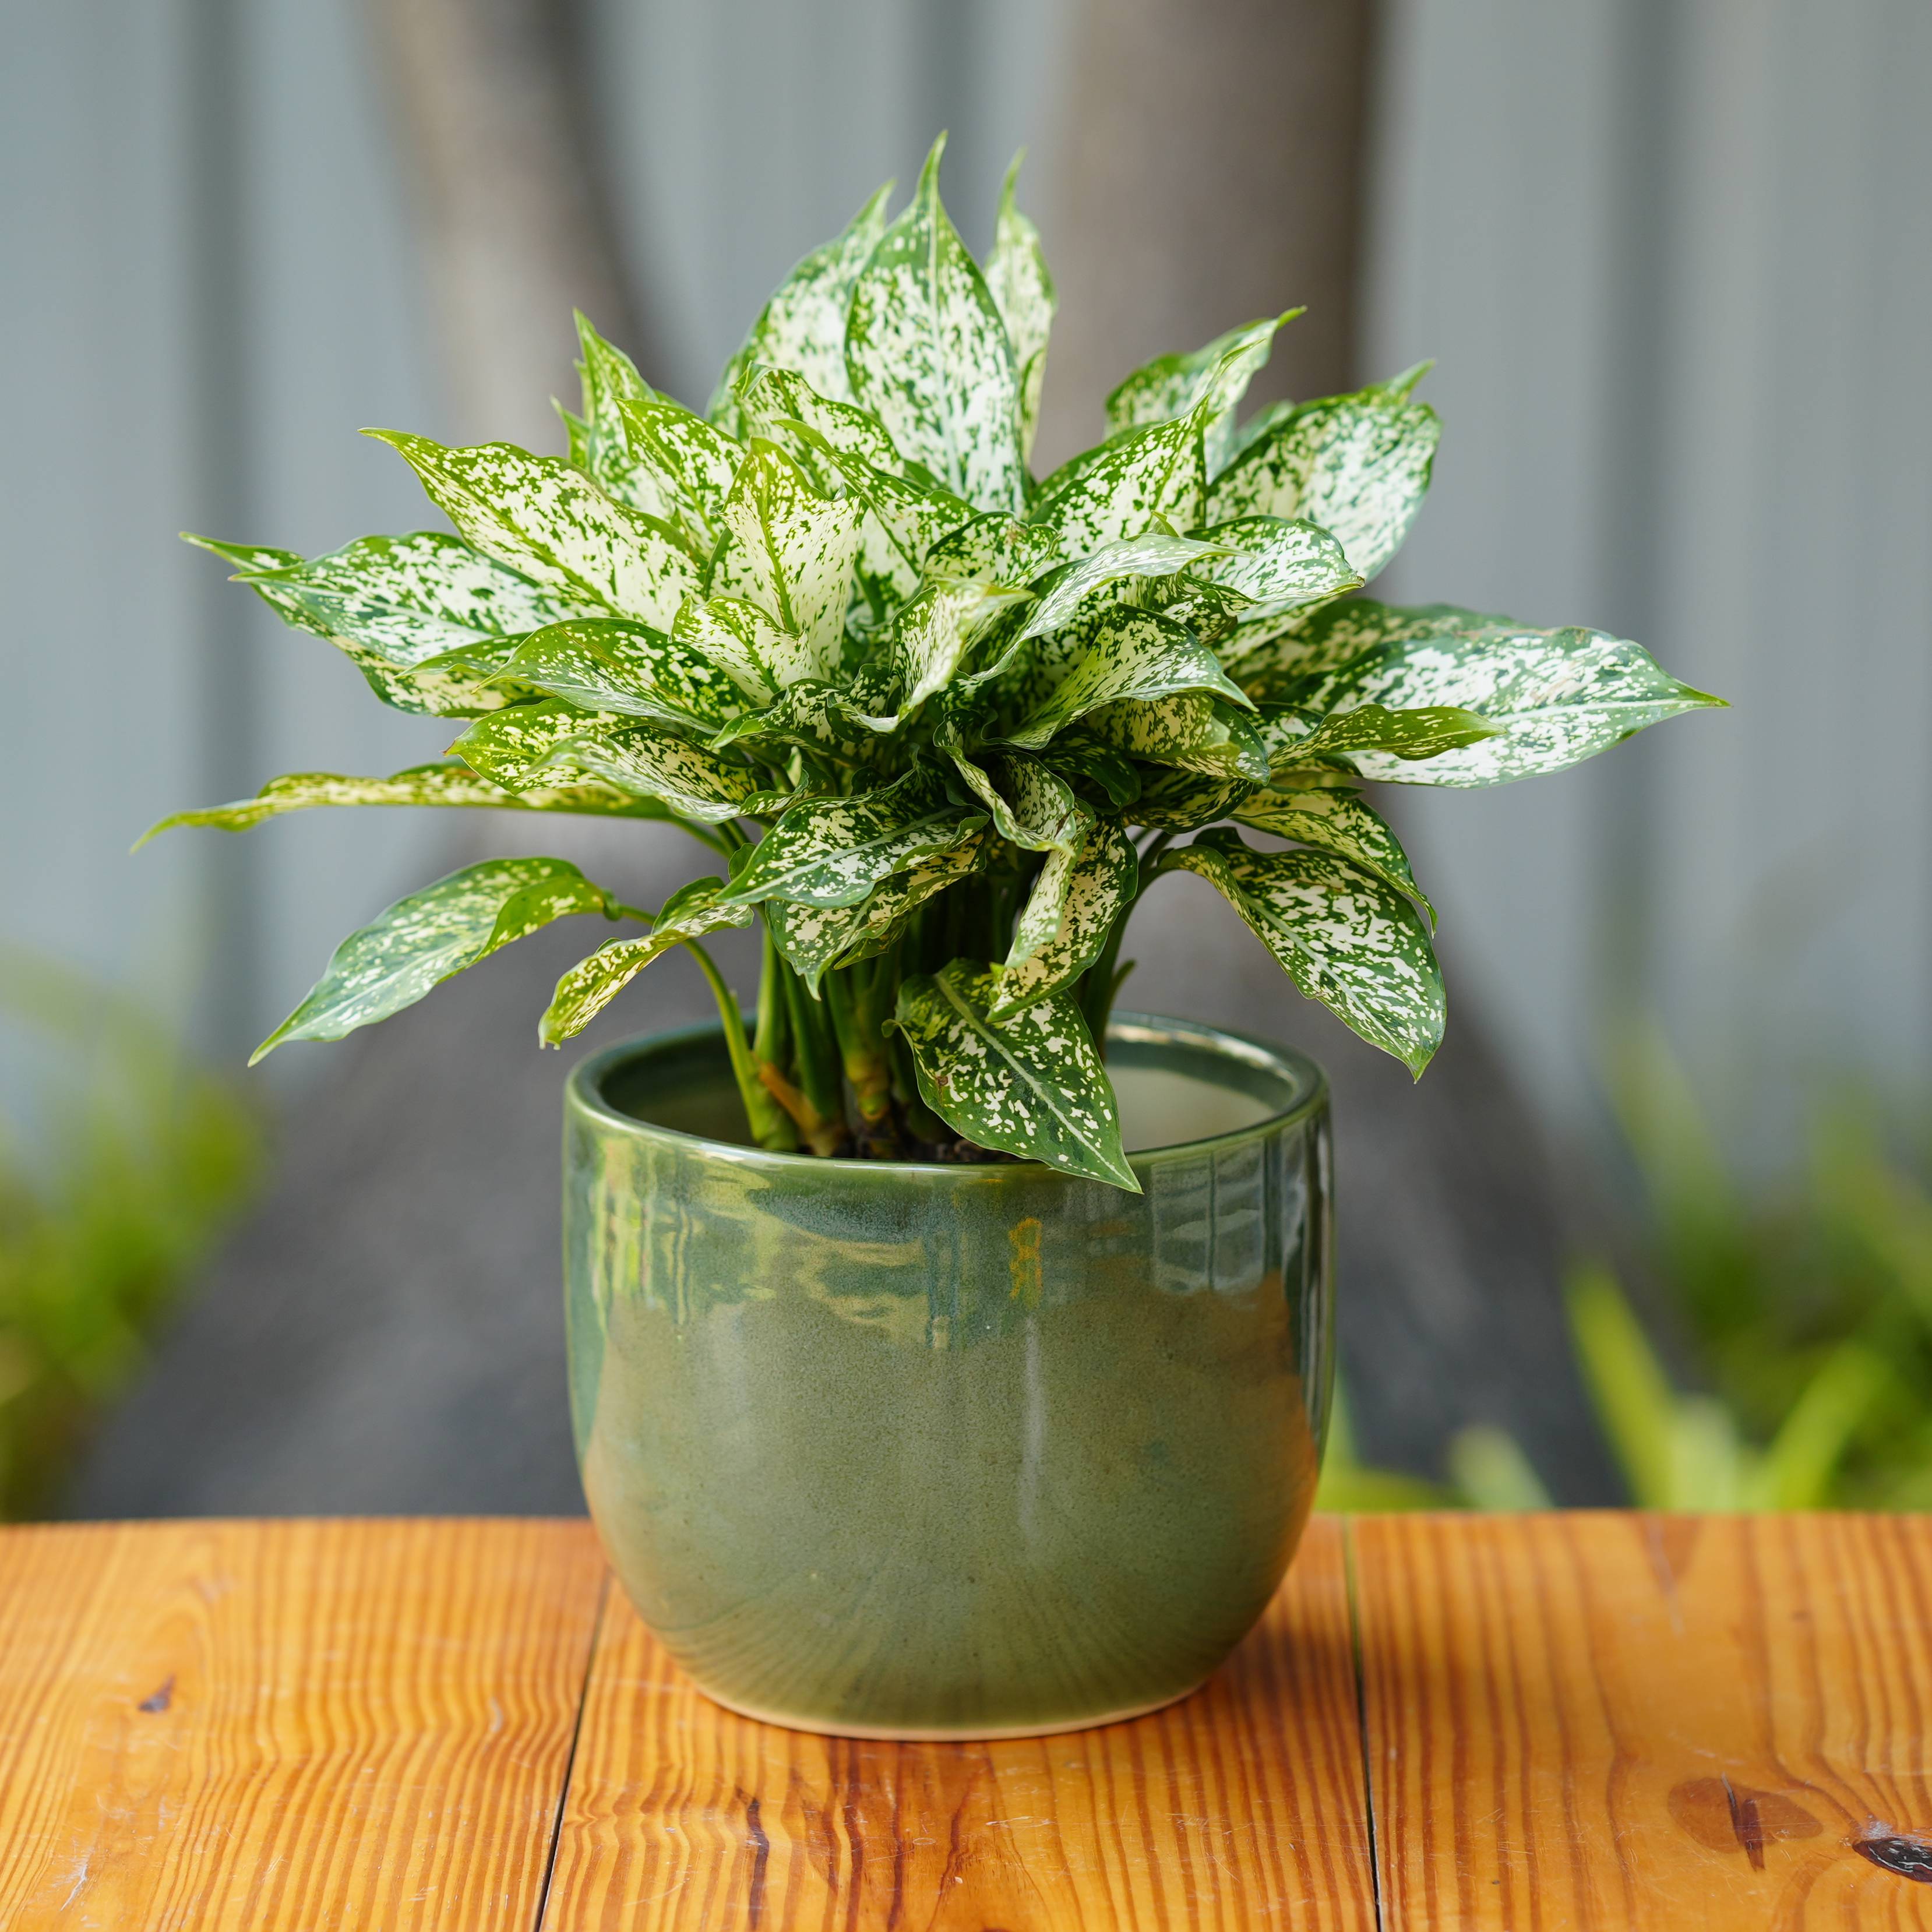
1156,553
592,984
608,664
1358,466
803,324
935,631
1190,730
421,940
1336,820
1552,697
926,352
549,522
443,785
1022,289
1345,938
1218,374
1076,900
832,852
1032,806
1033,1085
600,445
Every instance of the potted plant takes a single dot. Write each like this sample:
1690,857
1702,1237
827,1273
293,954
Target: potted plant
913,1396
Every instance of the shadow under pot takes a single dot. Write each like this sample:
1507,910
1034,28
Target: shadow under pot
898,1451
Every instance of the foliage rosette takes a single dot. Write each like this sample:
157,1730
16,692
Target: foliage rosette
942,722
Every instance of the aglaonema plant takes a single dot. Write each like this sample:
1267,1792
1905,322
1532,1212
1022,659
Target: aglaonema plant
941,724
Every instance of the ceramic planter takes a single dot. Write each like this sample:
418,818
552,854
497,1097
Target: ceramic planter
923,1451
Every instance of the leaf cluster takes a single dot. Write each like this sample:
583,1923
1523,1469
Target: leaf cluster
941,721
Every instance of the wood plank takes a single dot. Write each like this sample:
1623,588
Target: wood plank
304,1725
1243,1806
1632,1721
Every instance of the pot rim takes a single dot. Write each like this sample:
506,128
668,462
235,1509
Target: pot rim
583,1092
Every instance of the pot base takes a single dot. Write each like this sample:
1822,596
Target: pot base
894,1734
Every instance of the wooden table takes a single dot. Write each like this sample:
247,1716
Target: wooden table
1550,1722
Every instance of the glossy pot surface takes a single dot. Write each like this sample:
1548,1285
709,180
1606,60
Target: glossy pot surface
903,1451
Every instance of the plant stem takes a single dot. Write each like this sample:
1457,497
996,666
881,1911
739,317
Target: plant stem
772,1125
1101,981
816,1053
862,1047
744,1070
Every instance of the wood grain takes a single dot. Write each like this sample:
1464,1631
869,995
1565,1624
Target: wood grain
293,1725
1623,1721
1243,1806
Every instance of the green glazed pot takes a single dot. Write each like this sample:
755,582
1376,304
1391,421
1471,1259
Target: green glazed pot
911,1451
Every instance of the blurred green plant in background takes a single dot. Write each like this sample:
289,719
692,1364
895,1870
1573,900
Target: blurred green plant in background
1804,1309
134,1163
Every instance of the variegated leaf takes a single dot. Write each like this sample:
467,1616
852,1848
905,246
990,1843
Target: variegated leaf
1022,290
779,402
1320,640
814,938
1192,731
599,444
1073,906
791,554
1278,567
1356,465
1118,653
695,462
592,984
926,352
1184,801
1341,822
1423,731
1153,553
1032,806
1344,937
1219,374
551,743
545,520
1032,1086
803,327
832,852
745,644
608,664
445,785
1139,481
1109,778
935,631
245,557
421,940
1554,697
820,717
426,619
996,546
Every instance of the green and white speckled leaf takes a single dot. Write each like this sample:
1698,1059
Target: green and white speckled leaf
1423,731
607,665
1032,1086
442,784
1218,373
1279,568
1344,938
803,327
1032,806
820,717
832,852
1320,640
780,401
1341,822
425,618
694,463
933,634
1022,291
1152,553
245,557
996,546
1075,901
1111,781
1192,731
791,554
553,743
427,938
1184,801
814,938
546,520
1118,653
1556,697
599,444
592,984
1356,465
1144,480
926,352
745,644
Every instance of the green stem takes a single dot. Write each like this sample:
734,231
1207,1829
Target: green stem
771,1047
861,1044
816,1054
742,1069
1101,980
